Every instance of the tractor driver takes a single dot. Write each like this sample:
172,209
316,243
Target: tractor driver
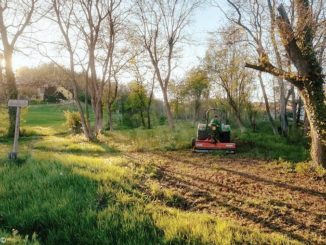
216,128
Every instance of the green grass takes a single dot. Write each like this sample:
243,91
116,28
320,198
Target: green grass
158,138
46,115
263,144
65,198
65,190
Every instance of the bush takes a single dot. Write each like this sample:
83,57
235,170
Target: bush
162,120
73,121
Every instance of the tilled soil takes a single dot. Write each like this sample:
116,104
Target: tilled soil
250,192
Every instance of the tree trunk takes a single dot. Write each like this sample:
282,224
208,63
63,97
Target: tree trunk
148,109
12,89
197,109
110,119
149,126
86,102
236,113
282,102
305,124
283,119
294,108
313,98
268,111
142,118
98,117
297,122
168,108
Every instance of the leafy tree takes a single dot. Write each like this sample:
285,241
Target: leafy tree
137,100
196,86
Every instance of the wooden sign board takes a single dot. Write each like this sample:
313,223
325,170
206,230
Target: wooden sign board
18,103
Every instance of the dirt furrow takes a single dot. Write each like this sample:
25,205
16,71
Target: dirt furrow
250,192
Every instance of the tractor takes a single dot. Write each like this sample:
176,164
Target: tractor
205,141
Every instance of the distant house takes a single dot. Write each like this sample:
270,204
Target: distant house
43,92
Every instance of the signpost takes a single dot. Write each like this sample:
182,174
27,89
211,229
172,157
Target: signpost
18,104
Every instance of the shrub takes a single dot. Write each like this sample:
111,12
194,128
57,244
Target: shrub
162,120
73,121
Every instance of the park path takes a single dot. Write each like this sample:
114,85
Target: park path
249,192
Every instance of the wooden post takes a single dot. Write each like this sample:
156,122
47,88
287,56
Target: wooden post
16,103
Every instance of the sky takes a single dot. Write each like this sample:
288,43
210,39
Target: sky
206,19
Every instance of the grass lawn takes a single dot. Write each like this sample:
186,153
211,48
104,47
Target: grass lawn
65,190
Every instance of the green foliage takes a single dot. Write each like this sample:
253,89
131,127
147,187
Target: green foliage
197,83
264,144
137,98
162,120
73,121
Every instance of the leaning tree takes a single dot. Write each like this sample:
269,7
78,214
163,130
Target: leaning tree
298,42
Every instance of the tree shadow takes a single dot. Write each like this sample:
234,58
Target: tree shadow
211,196
253,177
278,184
63,207
208,187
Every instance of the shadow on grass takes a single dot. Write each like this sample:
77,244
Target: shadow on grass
78,151
210,196
189,183
255,178
65,208
278,184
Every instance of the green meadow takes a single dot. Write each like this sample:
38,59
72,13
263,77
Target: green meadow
66,190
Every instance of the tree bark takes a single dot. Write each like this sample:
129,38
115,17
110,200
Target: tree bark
294,108
110,120
268,111
282,101
11,87
149,104
197,109
314,99
168,108
142,118
309,80
236,112
297,122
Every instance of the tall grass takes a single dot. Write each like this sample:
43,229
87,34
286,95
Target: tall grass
64,198
264,144
65,190
158,138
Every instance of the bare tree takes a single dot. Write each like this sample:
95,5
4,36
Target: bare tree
161,25
253,18
268,110
224,63
15,17
63,12
90,17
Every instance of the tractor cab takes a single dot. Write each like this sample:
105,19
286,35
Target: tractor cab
213,135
